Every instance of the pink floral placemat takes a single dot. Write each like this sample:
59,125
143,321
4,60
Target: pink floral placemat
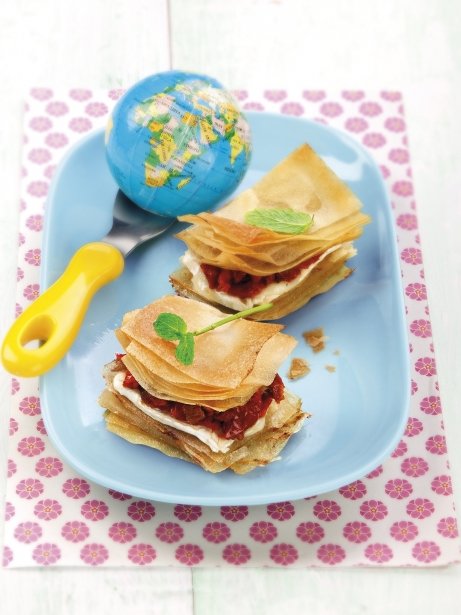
400,514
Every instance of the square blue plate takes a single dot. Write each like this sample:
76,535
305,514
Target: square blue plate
358,412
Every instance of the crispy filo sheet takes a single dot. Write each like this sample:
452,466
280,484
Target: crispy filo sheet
302,182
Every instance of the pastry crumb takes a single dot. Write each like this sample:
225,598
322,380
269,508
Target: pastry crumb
316,339
330,368
337,353
298,368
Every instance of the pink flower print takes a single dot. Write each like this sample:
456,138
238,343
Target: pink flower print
41,427
240,94
35,223
404,531
29,488
292,108
253,106
18,310
275,95
414,427
283,554
414,466
426,551
400,450
40,124
431,405
33,256
370,109
412,256
234,513
356,124
282,511
354,491
169,532
10,511
331,554
426,366
395,124
378,553
399,155
31,446
314,95
421,328
94,510
408,222
12,468
13,426
57,108
7,556
47,509
216,532
15,386
310,532
76,488
376,472
263,531
96,109
141,511
187,512
331,109
41,93
374,139
46,554
442,485
80,124
117,495
141,554
384,171
391,96
30,405
28,532
403,188
94,554
373,510
21,238
398,488
420,508
122,532
327,510
118,92
31,292
416,291
189,554
357,532
49,171
352,95
80,94
75,531
39,155
448,527
236,554
56,139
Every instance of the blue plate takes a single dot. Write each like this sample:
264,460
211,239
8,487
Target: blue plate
358,412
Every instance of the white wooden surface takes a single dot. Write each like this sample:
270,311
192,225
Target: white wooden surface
411,45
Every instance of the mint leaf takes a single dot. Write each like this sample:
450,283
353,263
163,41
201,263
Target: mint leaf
185,350
280,220
170,326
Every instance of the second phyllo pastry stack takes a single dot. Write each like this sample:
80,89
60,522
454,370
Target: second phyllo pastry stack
237,265
227,409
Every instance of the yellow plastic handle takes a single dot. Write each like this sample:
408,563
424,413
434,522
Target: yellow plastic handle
55,317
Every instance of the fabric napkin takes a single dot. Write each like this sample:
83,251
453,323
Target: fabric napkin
401,514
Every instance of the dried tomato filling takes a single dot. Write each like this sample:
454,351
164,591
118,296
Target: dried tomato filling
230,424
245,285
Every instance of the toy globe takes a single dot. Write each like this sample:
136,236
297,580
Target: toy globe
177,143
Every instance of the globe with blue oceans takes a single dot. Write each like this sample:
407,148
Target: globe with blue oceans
177,143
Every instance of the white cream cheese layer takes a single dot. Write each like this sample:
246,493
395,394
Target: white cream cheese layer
271,292
205,435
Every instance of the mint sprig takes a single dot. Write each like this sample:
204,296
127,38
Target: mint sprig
172,327
280,220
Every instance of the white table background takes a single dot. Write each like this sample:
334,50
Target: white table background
412,45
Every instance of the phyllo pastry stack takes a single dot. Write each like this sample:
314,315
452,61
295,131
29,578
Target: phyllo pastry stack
227,409
237,265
